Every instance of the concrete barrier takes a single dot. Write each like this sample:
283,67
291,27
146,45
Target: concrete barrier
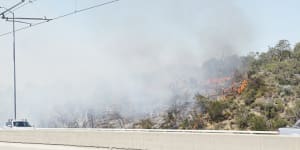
154,139
20,146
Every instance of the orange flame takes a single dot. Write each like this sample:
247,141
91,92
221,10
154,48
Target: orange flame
242,87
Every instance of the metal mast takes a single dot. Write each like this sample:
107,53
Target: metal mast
14,20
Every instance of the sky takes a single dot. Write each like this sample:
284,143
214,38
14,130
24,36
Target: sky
272,20
127,54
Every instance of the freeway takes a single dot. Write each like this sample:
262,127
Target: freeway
20,146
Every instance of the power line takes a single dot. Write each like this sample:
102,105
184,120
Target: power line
11,8
29,2
62,16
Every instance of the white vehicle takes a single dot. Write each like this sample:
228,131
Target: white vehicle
16,124
294,130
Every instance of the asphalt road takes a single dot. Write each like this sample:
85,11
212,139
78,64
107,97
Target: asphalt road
18,146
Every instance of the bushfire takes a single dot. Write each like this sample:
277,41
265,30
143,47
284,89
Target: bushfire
226,86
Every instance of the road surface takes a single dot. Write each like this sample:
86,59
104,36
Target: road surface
19,146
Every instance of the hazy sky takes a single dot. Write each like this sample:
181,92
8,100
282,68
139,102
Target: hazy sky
129,53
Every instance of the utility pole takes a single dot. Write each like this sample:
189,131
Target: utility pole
14,20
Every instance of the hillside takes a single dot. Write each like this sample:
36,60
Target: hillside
259,91
269,99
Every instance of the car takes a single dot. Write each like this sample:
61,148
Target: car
294,130
18,124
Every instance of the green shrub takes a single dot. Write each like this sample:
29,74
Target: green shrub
249,96
279,105
146,124
186,124
296,109
242,118
270,110
258,123
279,123
297,91
202,102
215,110
198,122
283,81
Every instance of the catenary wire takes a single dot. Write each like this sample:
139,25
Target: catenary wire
62,16
29,2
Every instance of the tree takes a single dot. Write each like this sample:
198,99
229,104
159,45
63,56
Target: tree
283,45
297,47
281,50
297,51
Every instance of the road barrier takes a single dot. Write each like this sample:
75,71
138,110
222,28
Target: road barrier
154,139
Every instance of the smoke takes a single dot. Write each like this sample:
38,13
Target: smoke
134,56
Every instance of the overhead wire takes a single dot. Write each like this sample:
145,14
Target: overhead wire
62,16
29,2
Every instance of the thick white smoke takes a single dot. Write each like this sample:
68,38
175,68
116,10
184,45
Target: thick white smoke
127,55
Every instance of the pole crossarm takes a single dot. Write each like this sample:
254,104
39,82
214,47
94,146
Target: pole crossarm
21,18
20,22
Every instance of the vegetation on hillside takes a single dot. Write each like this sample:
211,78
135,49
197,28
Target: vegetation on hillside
271,99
